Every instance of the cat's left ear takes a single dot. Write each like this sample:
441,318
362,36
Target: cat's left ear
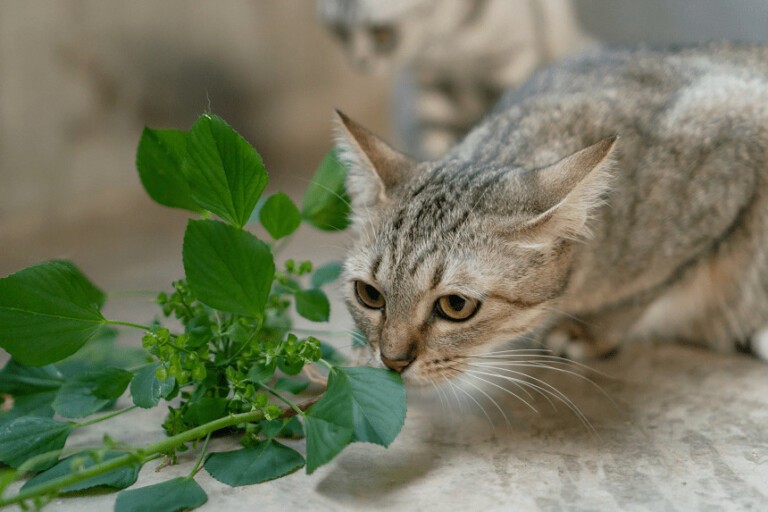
569,191
375,169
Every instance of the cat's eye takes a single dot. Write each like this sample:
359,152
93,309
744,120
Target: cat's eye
456,307
368,295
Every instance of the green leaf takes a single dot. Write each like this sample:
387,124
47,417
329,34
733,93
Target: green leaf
378,403
32,404
331,355
171,496
32,436
265,461
325,439
279,216
292,429
119,478
271,428
160,160
325,274
329,424
48,312
147,389
90,392
226,175
206,409
227,269
360,404
290,366
313,305
101,351
261,372
291,385
326,203
17,379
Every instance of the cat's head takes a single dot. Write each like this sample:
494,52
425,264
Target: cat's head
377,34
452,259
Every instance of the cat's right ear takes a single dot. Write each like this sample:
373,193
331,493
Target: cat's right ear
375,169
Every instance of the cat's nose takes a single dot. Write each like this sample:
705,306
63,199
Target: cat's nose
398,364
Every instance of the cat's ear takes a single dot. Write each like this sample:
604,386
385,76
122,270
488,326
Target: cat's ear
570,190
375,169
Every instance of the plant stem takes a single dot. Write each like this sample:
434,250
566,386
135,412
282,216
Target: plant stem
145,454
129,324
104,417
280,397
201,458
326,363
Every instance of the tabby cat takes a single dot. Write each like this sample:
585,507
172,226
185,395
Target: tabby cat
458,56
616,196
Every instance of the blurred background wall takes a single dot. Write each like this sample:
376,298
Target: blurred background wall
80,78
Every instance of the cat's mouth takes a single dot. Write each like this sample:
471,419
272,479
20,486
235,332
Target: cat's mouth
435,371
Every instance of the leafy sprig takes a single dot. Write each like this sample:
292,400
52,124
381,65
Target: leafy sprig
222,353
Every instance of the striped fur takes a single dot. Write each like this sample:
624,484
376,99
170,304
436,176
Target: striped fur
661,234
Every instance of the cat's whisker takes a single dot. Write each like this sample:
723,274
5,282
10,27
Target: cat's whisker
469,395
546,365
575,318
440,396
489,397
545,386
521,388
515,351
550,359
456,395
522,384
476,376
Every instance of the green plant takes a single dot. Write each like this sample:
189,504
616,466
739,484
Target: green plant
231,365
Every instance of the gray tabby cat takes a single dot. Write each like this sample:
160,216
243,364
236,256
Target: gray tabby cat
617,196
461,55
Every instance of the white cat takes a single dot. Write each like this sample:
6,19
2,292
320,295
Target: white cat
456,56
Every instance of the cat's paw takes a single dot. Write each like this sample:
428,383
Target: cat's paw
572,342
759,344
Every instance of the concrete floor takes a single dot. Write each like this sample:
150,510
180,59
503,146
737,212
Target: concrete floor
684,429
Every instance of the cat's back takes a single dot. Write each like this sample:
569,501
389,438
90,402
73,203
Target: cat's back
683,95
691,158
644,70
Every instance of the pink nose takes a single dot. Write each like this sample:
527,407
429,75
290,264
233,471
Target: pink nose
396,364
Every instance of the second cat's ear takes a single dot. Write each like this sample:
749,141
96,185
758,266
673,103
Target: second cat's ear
569,190
375,169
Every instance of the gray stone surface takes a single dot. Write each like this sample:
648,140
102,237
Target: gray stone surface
684,429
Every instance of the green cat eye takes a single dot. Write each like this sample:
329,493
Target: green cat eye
368,295
456,308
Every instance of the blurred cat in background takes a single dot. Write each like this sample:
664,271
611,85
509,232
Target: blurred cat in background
456,57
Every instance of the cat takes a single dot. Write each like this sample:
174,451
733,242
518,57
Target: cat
618,195
458,56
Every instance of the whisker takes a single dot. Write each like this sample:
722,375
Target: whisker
475,375
544,365
440,395
540,360
520,384
549,358
551,390
469,395
489,397
459,403
568,315
514,351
